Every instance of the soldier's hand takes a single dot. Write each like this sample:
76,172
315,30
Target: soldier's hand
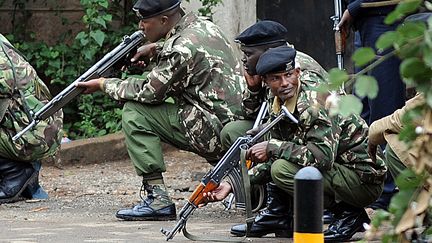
372,150
255,131
218,194
254,82
345,22
144,52
258,152
91,86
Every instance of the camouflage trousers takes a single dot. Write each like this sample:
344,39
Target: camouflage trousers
145,127
340,184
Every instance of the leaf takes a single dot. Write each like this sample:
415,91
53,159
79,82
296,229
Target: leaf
407,179
101,22
408,6
386,40
410,67
107,17
337,77
98,36
363,55
392,17
349,104
103,3
366,86
428,38
428,5
427,57
412,30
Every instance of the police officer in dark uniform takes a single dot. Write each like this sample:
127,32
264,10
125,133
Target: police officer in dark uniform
367,18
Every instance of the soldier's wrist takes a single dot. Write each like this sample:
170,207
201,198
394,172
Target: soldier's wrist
102,83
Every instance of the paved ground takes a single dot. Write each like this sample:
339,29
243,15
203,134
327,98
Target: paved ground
84,198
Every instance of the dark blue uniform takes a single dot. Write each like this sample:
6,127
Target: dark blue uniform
369,23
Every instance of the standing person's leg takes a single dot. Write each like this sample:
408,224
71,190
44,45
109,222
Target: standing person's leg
145,127
391,94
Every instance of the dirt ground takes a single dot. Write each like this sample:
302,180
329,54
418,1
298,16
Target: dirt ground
84,198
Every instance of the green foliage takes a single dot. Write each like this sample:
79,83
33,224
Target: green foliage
349,104
207,7
62,63
363,55
412,42
366,86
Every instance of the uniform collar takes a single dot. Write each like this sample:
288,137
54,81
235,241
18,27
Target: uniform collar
184,22
290,104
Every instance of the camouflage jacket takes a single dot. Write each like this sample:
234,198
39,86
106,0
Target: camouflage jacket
22,93
253,100
320,140
198,69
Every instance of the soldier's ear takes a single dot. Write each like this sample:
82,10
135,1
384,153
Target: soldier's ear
164,19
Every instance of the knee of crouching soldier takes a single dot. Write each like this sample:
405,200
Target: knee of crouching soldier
282,173
226,135
277,172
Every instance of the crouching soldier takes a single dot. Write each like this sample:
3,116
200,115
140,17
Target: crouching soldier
337,146
22,93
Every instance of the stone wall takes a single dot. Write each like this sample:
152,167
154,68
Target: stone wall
48,17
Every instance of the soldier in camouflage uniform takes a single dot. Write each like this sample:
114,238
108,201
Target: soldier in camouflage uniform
254,41
195,66
22,93
337,146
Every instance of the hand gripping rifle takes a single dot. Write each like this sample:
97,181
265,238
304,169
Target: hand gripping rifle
339,35
228,164
101,69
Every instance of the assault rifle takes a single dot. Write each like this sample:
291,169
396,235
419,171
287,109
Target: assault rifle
339,34
228,164
103,68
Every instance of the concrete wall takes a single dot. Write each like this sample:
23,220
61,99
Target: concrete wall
47,16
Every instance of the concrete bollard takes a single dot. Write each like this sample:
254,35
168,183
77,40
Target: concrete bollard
308,206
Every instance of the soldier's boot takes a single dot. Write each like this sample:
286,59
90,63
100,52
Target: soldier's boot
15,178
347,221
157,205
276,218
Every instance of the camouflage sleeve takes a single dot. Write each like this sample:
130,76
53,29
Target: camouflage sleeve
165,77
252,102
317,147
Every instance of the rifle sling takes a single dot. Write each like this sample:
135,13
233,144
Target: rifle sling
249,216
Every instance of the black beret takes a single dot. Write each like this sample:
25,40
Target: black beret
418,17
261,33
275,60
150,8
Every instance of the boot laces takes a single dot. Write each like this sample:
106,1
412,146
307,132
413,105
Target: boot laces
146,193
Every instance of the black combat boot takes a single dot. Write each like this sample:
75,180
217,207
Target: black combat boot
15,178
276,218
155,206
347,221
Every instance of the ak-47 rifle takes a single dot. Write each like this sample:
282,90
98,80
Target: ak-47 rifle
228,164
339,34
103,68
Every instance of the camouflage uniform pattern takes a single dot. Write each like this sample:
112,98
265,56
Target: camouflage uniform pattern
22,93
321,140
197,68
253,100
